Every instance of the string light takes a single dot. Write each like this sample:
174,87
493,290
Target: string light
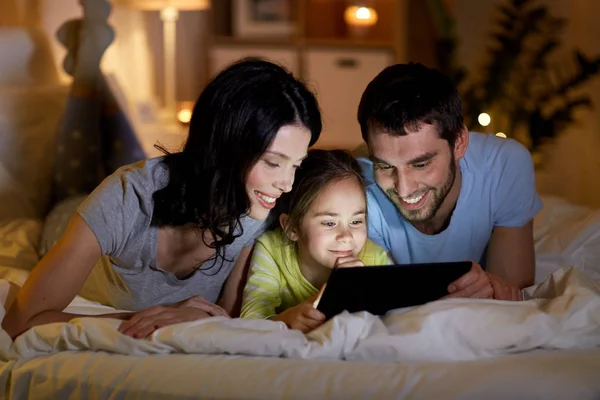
484,119
501,134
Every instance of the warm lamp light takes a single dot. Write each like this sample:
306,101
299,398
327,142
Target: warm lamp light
184,113
359,19
169,13
360,16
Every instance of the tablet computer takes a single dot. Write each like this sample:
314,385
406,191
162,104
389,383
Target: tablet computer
380,289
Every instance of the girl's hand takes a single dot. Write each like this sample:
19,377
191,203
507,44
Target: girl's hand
350,261
144,323
303,317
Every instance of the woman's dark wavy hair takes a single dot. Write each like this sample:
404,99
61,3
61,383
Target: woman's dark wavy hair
235,119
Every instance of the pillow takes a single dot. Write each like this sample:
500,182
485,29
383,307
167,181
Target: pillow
29,122
18,243
56,222
566,234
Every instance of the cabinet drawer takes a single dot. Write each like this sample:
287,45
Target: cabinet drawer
222,56
339,78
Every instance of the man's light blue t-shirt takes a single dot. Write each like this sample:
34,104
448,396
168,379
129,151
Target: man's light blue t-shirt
498,189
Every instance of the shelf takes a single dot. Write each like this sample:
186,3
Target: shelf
348,42
306,42
236,41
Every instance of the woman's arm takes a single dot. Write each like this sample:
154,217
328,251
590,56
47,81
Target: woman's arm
233,291
55,280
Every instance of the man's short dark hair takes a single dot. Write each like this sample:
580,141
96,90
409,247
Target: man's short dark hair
402,97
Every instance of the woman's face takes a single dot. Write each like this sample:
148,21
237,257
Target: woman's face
273,174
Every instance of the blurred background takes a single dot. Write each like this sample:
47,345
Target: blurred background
527,69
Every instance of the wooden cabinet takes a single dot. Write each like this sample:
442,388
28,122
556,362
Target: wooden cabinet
336,65
339,77
223,55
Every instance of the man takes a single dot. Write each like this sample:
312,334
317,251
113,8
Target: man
441,193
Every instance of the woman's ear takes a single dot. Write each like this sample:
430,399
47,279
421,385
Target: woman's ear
291,234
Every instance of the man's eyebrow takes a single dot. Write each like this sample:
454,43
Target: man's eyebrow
423,158
282,155
378,160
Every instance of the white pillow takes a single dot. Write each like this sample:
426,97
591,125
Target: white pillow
29,122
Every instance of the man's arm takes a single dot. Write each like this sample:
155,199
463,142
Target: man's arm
511,255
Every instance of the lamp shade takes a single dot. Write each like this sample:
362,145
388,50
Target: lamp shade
151,5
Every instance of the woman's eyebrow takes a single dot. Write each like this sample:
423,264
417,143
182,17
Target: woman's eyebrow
283,155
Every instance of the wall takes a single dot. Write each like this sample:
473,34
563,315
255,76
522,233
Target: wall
572,165
191,42
135,57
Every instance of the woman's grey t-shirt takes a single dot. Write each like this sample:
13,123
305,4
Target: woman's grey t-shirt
127,277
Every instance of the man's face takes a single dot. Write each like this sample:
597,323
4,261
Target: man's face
416,171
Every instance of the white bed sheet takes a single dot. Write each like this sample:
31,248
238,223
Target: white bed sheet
548,375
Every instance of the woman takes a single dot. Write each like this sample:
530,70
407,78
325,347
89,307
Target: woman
167,238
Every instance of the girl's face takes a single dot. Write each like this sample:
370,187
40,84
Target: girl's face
335,225
273,174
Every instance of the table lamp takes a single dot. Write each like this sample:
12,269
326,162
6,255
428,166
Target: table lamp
169,13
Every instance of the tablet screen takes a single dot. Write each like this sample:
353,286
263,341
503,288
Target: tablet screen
380,289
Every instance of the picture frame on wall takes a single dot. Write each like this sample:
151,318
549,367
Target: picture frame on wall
263,18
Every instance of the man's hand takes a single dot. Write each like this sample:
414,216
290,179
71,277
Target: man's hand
303,317
474,284
144,323
503,290
350,261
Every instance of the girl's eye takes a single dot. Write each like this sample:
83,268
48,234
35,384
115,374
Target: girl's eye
328,224
271,165
358,222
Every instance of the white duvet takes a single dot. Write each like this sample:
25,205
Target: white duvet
564,313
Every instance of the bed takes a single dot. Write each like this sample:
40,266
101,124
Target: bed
249,360
548,347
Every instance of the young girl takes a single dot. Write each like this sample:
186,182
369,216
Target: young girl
176,231
323,226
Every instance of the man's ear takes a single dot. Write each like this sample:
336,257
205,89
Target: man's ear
291,234
461,143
